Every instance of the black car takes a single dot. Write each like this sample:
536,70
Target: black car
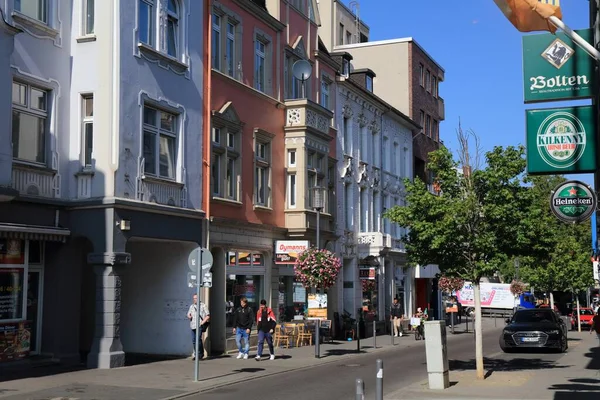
534,328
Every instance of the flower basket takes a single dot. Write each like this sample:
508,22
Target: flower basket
517,287
449,285
317,268
368,285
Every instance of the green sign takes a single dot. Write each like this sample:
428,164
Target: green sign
573,201
555,68
561,140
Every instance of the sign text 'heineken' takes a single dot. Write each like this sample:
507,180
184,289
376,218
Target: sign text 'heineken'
573,201
555,68
561,140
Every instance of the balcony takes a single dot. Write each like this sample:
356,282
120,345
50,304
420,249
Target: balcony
161,191
304,117
441,109
33,180
374,240
299,222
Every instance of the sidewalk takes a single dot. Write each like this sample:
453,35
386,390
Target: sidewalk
574,375
174,379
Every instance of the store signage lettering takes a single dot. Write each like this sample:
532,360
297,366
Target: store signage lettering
367,273
573,201
287,251
561,140
555,68
11,293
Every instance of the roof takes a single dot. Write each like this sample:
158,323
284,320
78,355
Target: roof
388,42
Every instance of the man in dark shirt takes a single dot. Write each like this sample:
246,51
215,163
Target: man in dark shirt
265,325
243,319
397,317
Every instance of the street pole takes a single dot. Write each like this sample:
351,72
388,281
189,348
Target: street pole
198,284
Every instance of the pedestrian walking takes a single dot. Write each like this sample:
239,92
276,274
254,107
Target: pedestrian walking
265,325
596,325
195,324
397,317
243,319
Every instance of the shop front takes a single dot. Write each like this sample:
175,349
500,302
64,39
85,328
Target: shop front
293,297
245,278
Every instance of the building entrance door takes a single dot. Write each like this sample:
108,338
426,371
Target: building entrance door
34,306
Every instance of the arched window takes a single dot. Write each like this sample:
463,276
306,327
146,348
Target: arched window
172,35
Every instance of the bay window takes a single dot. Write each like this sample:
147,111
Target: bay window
29,122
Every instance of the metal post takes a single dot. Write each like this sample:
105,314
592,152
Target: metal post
357,336
392,329
317,338
198,284
467,322
379,381
452,322
360,389
318,227
374,334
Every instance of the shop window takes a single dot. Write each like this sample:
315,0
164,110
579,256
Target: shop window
12,275
292,299
238,286
245,259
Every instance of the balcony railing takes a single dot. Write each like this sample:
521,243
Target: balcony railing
35,181
162,192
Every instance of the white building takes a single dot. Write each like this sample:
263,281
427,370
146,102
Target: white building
104,173
374,147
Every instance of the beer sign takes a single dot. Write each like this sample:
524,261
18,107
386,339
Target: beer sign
573,201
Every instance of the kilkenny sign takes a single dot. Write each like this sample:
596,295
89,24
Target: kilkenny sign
555,68
573,201
561,140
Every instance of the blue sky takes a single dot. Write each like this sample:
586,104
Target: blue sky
480,51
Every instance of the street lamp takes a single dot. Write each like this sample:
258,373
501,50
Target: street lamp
318,200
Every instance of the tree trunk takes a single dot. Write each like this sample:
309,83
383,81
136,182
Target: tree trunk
578,316
552,300
478,331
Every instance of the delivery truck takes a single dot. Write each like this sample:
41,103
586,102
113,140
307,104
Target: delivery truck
495,298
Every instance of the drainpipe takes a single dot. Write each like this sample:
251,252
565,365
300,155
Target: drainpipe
206,126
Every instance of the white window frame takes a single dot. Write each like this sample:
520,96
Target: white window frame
88,17
292,190
173,18
260,78
369,83
159,132
44,9
325,99
227,156
216,182
348,205
42,114
262,168
87,121
292,158
217,21
227,58
151,22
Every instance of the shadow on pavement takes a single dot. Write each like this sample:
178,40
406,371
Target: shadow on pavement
132,359
514,364
594,354
584,389
26,371
341,352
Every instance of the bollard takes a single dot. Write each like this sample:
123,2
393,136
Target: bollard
374,335
379,381
317,338
360,389
392,331
357,338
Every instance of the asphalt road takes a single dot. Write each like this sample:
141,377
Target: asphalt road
403,366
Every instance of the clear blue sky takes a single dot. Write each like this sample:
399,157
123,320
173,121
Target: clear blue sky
480,51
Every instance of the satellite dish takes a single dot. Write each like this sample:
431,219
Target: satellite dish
302,70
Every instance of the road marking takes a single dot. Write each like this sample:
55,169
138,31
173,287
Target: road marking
65,398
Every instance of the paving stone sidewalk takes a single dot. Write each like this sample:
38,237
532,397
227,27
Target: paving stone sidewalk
576,375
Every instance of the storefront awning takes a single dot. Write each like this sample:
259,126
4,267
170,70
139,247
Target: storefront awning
34,232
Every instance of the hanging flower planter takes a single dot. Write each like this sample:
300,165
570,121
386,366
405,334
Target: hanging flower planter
517,287
449,285
368,285
317,268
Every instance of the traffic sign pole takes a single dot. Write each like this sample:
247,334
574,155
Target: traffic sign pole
198,284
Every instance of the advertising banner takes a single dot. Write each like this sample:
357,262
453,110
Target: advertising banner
15,340
12,251
561,141
287,251
555,68
493,295
11,293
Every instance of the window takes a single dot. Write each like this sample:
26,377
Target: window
259,65
231,178
369,83
428,81
226,154
215,174
311,181
348,38
396,159
291,158
347,137
29,122
231,140
346,67
435,134
422,120
386,221
421,75
216,42
341,31
262,171
88,17
36,9
159,142
292,190
428,125
349,207
363,210
325,83
146,22
293,86
434,86
216,135
87,129
172,35
230,49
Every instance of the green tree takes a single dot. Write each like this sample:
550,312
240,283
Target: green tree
477,221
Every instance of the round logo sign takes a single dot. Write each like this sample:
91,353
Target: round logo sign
561,139
573,201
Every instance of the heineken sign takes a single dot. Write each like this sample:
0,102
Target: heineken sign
573,201
561,140
555,68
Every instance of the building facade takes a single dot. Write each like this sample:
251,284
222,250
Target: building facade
101,188
271,141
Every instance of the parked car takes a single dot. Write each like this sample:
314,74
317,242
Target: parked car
534,328
586,315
